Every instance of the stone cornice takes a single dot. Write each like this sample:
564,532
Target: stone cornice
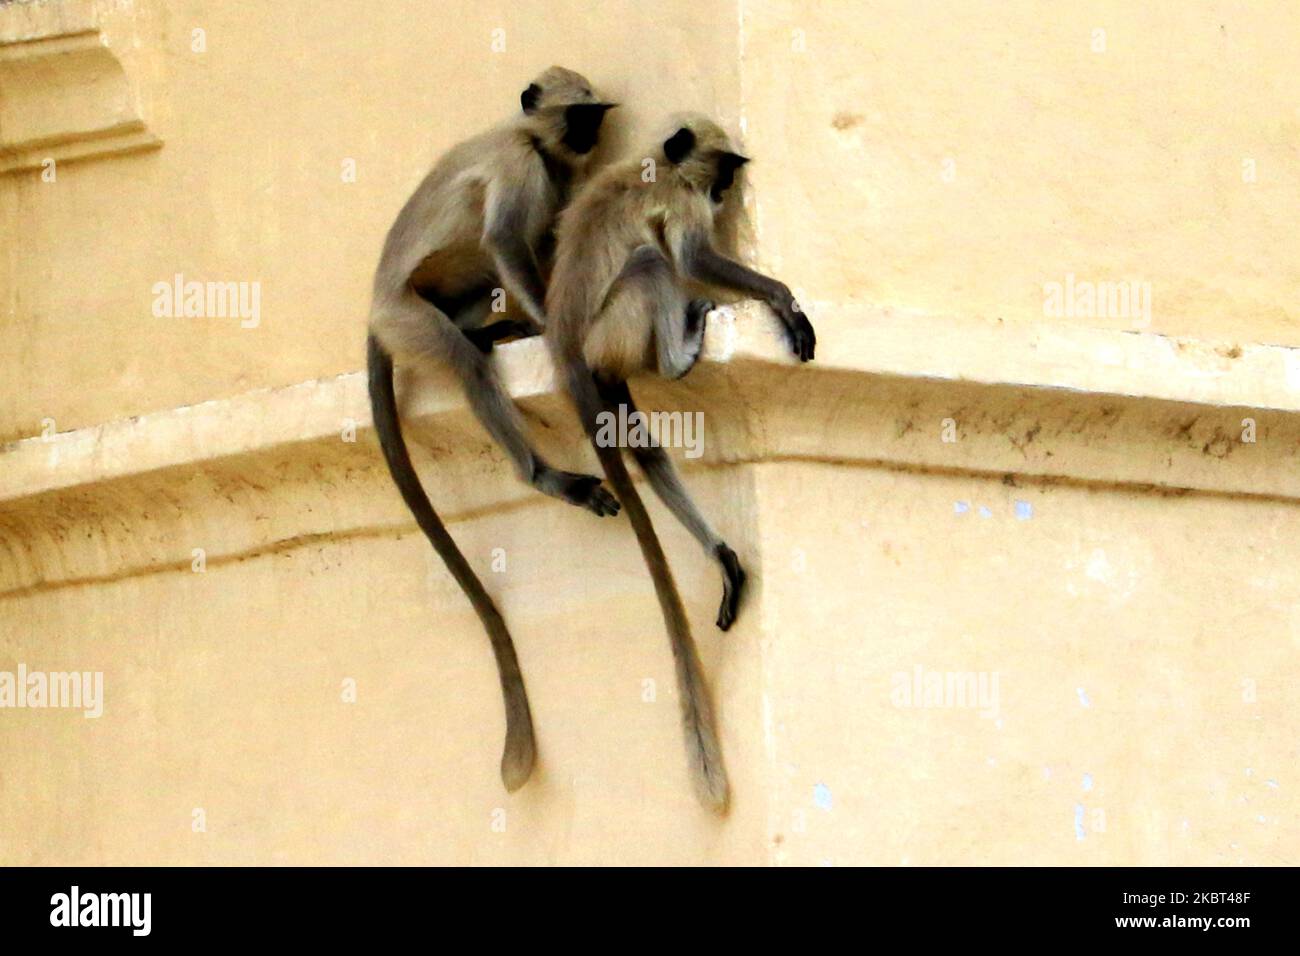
1027,402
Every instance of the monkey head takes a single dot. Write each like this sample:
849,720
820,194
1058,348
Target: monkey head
700,152
565,111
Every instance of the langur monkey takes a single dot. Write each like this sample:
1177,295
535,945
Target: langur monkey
476,222
616,306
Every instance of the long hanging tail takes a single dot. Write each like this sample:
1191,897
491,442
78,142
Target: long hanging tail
520,748
703,752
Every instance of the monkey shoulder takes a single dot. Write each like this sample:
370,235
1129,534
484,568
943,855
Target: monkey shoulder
494,154
615,195
522,154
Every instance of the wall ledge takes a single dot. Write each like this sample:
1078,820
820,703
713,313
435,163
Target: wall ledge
1030,402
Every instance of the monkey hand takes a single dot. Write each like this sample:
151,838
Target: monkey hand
696,312
487,336
524,328
798,330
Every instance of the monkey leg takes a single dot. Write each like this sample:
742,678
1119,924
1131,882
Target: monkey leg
646,307
471,314
667,484
685,333
468,313
418,332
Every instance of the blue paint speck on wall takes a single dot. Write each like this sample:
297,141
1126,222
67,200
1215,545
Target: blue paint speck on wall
960,507
1024,510
822,796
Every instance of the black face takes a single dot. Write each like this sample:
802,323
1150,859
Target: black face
728,163
582,125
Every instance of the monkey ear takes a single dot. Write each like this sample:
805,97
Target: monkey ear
678,146
529,97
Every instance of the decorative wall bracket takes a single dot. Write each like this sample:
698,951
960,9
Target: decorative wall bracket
64,93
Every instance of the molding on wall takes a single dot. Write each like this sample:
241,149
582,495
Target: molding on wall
64,94
1120,411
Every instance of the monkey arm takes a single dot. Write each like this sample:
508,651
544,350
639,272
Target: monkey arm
517,267
505,232
701,261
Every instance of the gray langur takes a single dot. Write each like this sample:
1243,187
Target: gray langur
617,305
477,222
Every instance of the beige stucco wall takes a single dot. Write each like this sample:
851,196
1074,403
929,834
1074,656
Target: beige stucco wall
249,185
1104,536
954,157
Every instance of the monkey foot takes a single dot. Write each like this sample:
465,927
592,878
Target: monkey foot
733,583
585,491
695,313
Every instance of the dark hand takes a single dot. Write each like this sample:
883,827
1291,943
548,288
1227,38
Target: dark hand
487,336
523,328
798,330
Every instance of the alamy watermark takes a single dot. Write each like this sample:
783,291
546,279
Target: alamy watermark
921,688
1084,299
130,910
75,690
181,299
638,429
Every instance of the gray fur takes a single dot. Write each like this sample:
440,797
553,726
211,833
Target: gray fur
475,222
616,307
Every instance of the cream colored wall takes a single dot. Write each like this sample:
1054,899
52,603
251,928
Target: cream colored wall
954,157
1119,165
249,183
1127,585
224,693
1120,732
